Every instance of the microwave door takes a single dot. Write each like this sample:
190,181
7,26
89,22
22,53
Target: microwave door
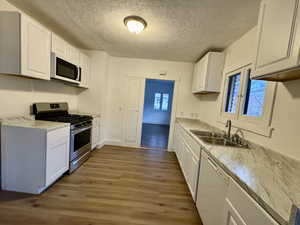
64,70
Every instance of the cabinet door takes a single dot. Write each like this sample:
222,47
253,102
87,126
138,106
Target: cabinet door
59,46
194,168
231,215
36,49
72,54
57,156
95,132
247,207
84,63
202,73
277,47
99,131
195,85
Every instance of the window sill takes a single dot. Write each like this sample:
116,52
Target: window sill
262,130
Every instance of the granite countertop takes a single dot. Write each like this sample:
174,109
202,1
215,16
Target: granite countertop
272,179
31,123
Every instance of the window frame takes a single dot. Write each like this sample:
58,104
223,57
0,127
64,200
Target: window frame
259,125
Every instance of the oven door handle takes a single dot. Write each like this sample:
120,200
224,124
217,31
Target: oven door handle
81,130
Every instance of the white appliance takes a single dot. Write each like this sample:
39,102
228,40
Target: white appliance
212,188
64,70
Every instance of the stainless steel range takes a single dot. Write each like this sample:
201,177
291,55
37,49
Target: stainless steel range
81,128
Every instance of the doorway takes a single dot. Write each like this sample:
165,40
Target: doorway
158,101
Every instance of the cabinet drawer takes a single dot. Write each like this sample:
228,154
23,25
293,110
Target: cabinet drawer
58,136
194,146
247,208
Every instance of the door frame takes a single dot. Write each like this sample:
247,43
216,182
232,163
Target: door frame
173,110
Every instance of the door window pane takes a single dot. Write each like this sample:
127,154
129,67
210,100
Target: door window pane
165,102
255,97
157,99
232,93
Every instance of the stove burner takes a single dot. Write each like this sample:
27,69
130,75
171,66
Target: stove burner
69,118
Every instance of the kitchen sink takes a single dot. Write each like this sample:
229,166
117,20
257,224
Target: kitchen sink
220,139
199,133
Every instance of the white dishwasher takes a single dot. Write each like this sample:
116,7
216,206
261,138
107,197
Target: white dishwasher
212,188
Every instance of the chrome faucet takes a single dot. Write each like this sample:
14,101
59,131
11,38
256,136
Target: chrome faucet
228,124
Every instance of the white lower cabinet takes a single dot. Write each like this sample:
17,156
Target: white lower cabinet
96,132
241,209
219,199
57,156
42,157
188,153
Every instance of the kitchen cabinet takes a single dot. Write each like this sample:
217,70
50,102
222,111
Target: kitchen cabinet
43,156
57,155
278,39
25,46
96,131
213,184
207,73
241,209
65,50
84,64
188,155
59,46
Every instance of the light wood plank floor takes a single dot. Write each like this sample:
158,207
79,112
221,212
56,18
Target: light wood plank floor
117,186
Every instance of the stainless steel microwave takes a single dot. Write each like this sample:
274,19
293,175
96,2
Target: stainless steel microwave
64,70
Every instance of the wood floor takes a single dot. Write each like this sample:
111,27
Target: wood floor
117,186
155,136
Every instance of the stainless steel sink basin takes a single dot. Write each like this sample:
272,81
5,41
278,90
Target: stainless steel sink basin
199,133
218,139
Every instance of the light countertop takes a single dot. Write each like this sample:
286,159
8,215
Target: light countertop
30,123
272,179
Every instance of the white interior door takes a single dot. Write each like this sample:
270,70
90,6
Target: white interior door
133,111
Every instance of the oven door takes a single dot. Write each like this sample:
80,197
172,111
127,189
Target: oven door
63,70
80,142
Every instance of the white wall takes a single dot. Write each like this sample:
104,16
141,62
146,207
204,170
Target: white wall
17,94
92,100
119,68
285,137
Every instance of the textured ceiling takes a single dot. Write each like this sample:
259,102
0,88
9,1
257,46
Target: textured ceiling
180,30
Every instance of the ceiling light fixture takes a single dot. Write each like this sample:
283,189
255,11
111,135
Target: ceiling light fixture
135,24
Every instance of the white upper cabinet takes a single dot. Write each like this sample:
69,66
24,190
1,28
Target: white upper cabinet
35,51
84,64
59,46
278,39
73,54
208,73
25,46
64,50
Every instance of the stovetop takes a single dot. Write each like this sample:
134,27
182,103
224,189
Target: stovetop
69,118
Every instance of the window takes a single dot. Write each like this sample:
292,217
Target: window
161,101
165,102
233,91
157,99
249,103
255,97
